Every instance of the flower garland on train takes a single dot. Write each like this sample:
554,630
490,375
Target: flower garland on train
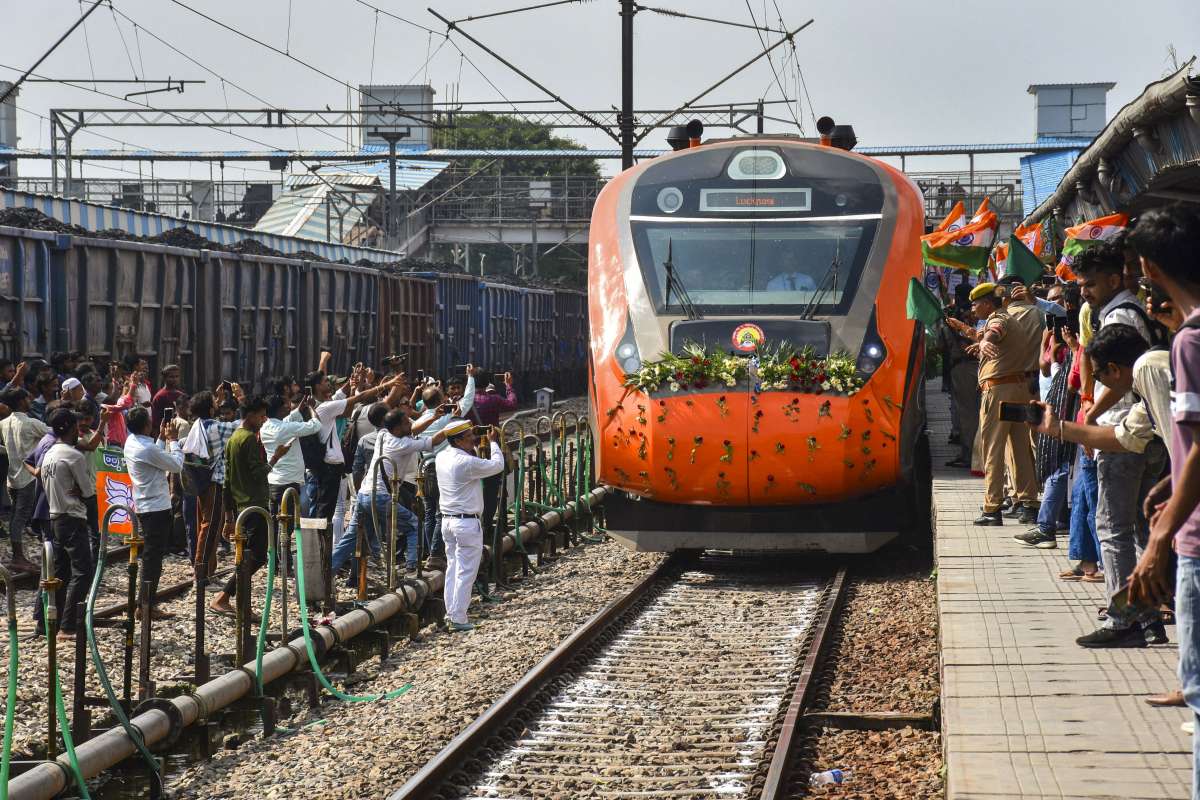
780,368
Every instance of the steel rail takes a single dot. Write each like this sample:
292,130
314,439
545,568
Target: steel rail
777,784
452,756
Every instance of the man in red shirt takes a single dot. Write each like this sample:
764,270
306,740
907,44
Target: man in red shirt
489,403
165,397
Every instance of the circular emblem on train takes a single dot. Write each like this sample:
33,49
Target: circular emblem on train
747,337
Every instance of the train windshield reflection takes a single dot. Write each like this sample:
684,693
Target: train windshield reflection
739,267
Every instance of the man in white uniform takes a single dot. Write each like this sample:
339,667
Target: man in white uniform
460,475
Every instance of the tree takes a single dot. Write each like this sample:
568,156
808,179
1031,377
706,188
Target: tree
483,131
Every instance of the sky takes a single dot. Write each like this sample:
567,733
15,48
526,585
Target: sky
900,72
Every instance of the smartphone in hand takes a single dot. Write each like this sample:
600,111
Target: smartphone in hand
1026,413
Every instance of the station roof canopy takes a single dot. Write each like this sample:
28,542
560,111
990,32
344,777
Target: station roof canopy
1148,154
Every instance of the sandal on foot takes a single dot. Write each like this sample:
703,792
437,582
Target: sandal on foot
1092,577
1071,574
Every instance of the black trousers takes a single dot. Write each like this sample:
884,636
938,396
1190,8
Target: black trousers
255,554
73,566
491,499
329,483
156,527
277,501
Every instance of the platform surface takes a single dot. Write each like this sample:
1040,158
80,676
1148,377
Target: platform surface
1027,713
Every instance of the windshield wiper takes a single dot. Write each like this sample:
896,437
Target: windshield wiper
673,280
823,288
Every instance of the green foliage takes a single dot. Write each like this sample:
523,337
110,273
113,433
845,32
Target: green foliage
780,367
499,131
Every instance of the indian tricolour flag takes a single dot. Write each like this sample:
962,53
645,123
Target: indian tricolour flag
998,262
1033,237
1093,232
984,209
967,247
955,220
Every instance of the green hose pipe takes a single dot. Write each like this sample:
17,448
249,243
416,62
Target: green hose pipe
587,465
244,602
60,710
133,733
312,655
10,697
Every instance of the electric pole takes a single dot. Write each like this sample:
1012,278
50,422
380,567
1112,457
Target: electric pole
627,11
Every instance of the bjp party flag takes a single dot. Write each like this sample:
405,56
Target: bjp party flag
113,487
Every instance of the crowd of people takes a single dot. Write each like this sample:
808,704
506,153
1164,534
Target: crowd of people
348,446
1077,400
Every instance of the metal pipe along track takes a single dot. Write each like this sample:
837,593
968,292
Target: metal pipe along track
110,748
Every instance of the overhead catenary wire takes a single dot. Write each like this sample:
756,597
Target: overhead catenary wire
668,12
396,17
124,44
453,44
451,26
312,67
152,108
506,12
812,113
771,61
224,79
786,38
51,49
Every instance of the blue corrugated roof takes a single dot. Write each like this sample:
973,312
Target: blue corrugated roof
409,174
1042,172
96,217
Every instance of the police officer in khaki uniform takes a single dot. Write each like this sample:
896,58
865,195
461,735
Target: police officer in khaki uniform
1008,350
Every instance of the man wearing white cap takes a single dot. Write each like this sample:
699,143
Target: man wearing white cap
460,475
72,391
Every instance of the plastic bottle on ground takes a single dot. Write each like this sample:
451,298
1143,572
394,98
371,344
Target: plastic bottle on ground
830,776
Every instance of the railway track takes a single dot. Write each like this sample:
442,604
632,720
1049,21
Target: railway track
691,685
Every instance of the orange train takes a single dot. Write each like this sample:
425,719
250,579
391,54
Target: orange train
744,246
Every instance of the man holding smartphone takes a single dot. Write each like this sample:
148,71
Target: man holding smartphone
433,398
284,425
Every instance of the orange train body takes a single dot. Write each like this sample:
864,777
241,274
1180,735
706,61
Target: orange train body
746,466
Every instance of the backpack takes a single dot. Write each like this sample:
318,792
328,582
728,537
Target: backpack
350,439
313,449
1158,333
196,475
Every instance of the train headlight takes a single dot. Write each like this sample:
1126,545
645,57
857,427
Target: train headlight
670,200
873,351
757,165
628,357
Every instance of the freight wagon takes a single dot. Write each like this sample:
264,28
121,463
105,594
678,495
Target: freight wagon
228,315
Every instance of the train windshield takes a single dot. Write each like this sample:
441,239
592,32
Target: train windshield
742,266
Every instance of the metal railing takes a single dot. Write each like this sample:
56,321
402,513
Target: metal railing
943,189
500,199
211,201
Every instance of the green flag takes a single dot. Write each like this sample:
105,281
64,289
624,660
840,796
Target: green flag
1022,262
922,305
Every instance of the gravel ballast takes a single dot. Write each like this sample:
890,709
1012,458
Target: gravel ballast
368,750
883,658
